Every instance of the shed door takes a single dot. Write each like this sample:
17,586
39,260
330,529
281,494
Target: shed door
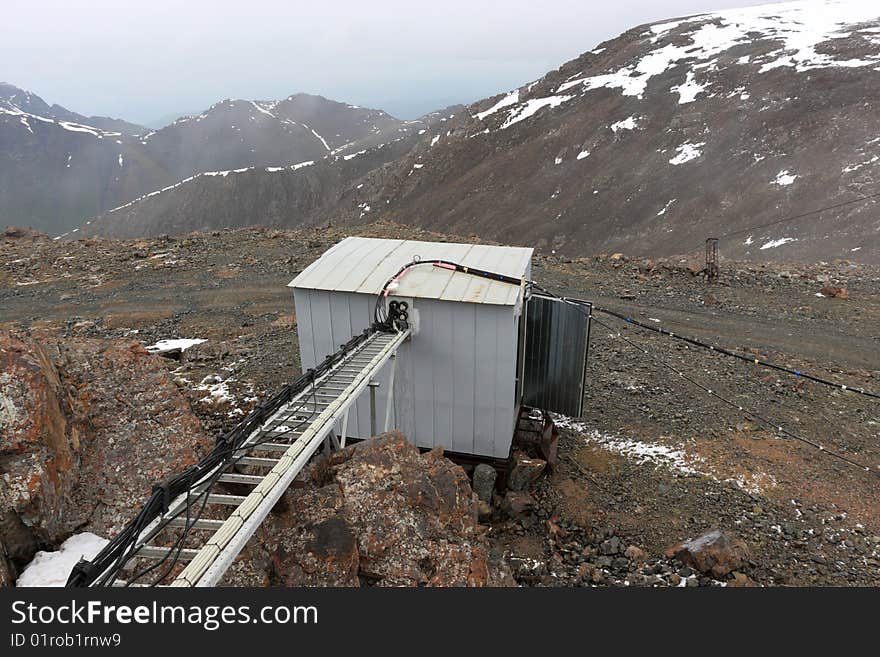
557,338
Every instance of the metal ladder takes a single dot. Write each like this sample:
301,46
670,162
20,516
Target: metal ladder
279,450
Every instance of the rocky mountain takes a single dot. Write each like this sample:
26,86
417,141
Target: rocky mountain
12,98
59,168
717,125
349,174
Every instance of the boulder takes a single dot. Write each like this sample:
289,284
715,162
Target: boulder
19,234
835,292
41,439
86,427
610,547
484,481
741,580
141,429
375,513
518,504
524,471
635,553
317,546
715,553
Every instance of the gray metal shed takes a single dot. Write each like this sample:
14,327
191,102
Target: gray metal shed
455,382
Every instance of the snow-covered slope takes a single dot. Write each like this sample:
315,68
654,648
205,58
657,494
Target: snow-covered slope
720,124
13,98
58,168
674,132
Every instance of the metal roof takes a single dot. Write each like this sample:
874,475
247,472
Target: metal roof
362,264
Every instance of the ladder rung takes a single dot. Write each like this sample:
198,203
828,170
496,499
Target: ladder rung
119,583
255,460
292,419
277,434
159,552
228,500
272,447
201,523
236,478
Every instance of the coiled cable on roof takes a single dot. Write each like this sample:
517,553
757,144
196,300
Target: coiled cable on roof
381,316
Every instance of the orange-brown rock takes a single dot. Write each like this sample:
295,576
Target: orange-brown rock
86,427
716,553
40,436
377,513
835,292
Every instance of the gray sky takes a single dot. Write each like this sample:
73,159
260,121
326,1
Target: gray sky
150,59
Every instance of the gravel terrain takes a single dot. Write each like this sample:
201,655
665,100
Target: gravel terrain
654,461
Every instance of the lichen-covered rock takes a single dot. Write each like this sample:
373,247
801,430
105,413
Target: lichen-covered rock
142,429
377,512
40,438
86,427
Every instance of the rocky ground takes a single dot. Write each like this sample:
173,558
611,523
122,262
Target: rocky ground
653,462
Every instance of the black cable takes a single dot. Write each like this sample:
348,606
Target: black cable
727,352
104,568
802,215
733,404
380,316
713,393
245,449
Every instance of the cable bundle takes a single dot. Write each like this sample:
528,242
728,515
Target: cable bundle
386,319
229,448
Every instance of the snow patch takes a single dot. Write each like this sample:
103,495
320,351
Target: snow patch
688,90
784,178
261,109
666,207
530,107
686,153
772,244
794,31
856,167
510,99
639,451
164,346
628,123
53,568
217,389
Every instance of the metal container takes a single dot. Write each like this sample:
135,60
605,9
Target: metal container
455,382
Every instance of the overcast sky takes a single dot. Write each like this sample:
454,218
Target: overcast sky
152,59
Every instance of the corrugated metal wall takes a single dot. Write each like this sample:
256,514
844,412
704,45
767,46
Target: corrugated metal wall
556,343
454,384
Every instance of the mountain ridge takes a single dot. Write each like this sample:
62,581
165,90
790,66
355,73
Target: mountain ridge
56,171
713,125
657,139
